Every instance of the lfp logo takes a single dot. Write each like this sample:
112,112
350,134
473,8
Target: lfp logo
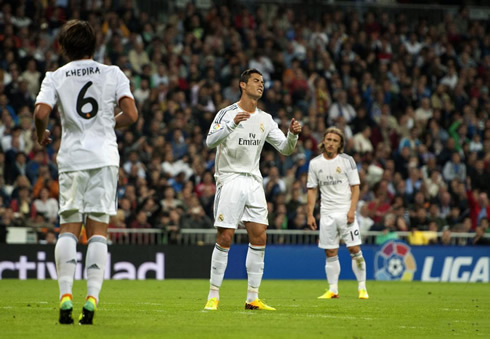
394,261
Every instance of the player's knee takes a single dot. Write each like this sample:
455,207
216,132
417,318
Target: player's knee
99,217
225,237
354,250
68,217
258,240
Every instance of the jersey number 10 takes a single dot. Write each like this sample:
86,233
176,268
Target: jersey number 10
82,101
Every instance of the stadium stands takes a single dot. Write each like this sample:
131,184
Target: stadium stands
408,87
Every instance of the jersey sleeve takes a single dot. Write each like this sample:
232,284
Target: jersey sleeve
122,88
351,171
283,144
47,95
312,178
221,127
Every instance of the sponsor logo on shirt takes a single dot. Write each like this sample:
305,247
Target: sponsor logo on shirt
250,141
330,181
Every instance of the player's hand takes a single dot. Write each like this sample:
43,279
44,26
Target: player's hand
45,138
312,222
242,116
295,127
350,217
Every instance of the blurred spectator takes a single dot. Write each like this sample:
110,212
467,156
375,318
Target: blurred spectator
44,180
195,218
365,222
446,237
46,206
118,222
22,204
170,200
32,77
388,228
273,184
454,168
479,176
17,167
341,108
479,207
50,238
479,238
362,144
141,222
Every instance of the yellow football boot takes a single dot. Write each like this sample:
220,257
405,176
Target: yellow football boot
329,295
363,294
212,304
258,304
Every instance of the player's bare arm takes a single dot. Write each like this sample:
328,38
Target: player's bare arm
295,127
129,113
41,117
311,200
353,205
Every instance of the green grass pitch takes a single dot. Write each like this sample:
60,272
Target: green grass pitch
174,309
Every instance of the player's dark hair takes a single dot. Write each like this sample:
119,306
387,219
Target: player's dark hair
337,131
245,76
77,40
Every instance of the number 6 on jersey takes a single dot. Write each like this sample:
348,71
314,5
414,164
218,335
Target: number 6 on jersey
82,101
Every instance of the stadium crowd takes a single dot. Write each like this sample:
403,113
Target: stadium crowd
411,95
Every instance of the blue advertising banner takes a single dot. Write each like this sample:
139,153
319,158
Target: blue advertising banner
394,260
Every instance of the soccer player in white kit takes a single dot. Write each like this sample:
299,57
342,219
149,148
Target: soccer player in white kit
239,132
85,92
335,173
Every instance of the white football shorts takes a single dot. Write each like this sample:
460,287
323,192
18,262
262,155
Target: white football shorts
88,191
239,200
333,226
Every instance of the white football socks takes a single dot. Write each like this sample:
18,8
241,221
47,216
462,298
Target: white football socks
255,270
95,262
65,254
219,261
332,269
359,268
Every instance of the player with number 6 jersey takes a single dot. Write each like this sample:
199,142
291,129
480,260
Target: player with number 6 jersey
336,175
85,93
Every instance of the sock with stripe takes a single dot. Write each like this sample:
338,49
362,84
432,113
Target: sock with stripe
219,261
359,268
66,302
95,262
332,268
65,254
255,270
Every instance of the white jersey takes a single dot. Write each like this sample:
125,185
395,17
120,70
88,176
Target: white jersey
86,93
240,146
335,178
